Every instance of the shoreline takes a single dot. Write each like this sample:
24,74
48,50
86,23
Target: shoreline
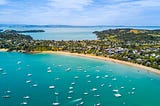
3,50
150,69
145,68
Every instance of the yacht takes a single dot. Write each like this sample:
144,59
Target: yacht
24,103
115,90
49,71
73,83
76,77
97,77
19,62
94,89
51,87
88,76
109,85
28,81
26,97
56,103
6,96
106,76
70,88
70,92
68,69
29,75
102,85
56,93
35,85
117,95
85,93
98,104
69,97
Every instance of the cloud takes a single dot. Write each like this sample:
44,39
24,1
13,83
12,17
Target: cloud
70,4
2,2
82,12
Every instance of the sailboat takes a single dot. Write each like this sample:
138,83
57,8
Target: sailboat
56,103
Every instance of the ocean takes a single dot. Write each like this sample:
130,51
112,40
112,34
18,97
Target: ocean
44,79
62,32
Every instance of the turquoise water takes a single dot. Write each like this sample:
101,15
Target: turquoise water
69,32
137,87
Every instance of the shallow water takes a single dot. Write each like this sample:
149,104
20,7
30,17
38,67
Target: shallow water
141,88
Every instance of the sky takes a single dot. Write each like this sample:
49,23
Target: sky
80,12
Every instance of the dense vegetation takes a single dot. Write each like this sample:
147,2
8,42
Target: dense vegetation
133,45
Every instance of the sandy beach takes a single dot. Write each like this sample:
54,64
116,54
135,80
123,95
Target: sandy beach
156,71
3,50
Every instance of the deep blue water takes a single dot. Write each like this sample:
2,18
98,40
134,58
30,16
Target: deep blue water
136,87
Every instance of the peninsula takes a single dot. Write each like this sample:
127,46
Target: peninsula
128,45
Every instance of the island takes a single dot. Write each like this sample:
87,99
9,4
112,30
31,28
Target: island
130,45
25,31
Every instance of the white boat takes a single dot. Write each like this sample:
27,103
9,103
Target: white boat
56,93
73,83
19,62
115,90
133,88
122,87
109,85
26,97
81,103
89,81
76,77
49,68
29,75
77,100
70,87
106,76
28,81
117,95
51,87
98,104
35,85
94,89
102,85
69,97
6,96
24,103
56,103
8,91
68,69
97,77
97,95
4,73
70,92
114,79
85,93
49,71
88,76
1,69
57,79
85,71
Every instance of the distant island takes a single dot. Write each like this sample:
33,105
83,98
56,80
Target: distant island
131,45
25,31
